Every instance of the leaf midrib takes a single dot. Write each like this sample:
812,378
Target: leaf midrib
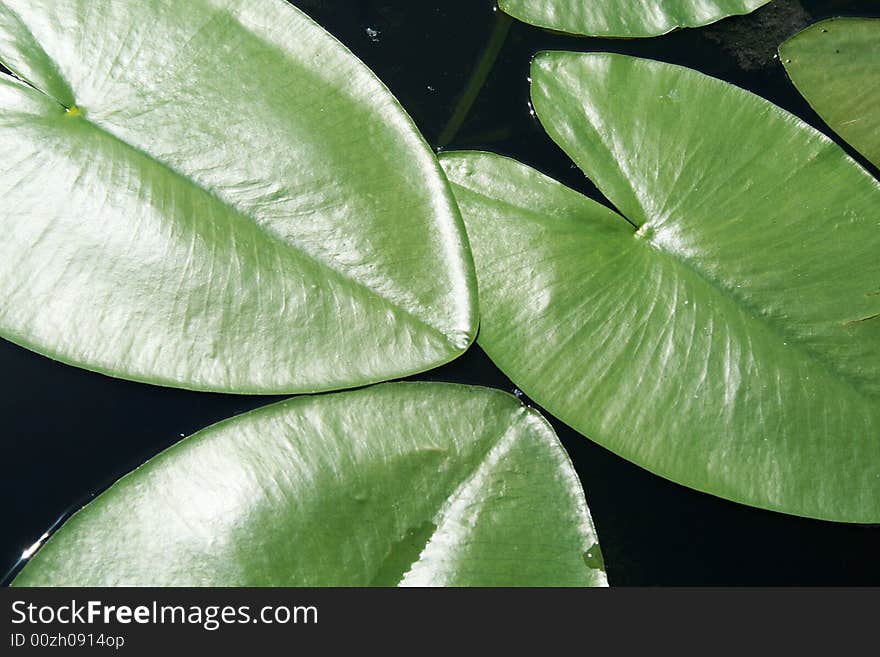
462,484
340,274
751,311
754,313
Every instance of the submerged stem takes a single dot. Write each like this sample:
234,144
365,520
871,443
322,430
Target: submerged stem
477,80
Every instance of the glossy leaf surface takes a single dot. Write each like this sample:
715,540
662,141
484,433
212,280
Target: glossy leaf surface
726,336
218,195
413,484
624,18
835,64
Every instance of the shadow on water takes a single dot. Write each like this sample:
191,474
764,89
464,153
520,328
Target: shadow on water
69,433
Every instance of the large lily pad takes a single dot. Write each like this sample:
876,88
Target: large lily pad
624,18
403,483
218,195
835,64
725,331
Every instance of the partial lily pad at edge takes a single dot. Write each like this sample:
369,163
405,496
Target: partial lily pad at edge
624,18
411,484
835,64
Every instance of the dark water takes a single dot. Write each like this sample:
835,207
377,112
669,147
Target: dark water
68,434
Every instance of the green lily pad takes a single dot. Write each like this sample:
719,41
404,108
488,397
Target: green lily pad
725,331
411,484
835,64
624,18
218,196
